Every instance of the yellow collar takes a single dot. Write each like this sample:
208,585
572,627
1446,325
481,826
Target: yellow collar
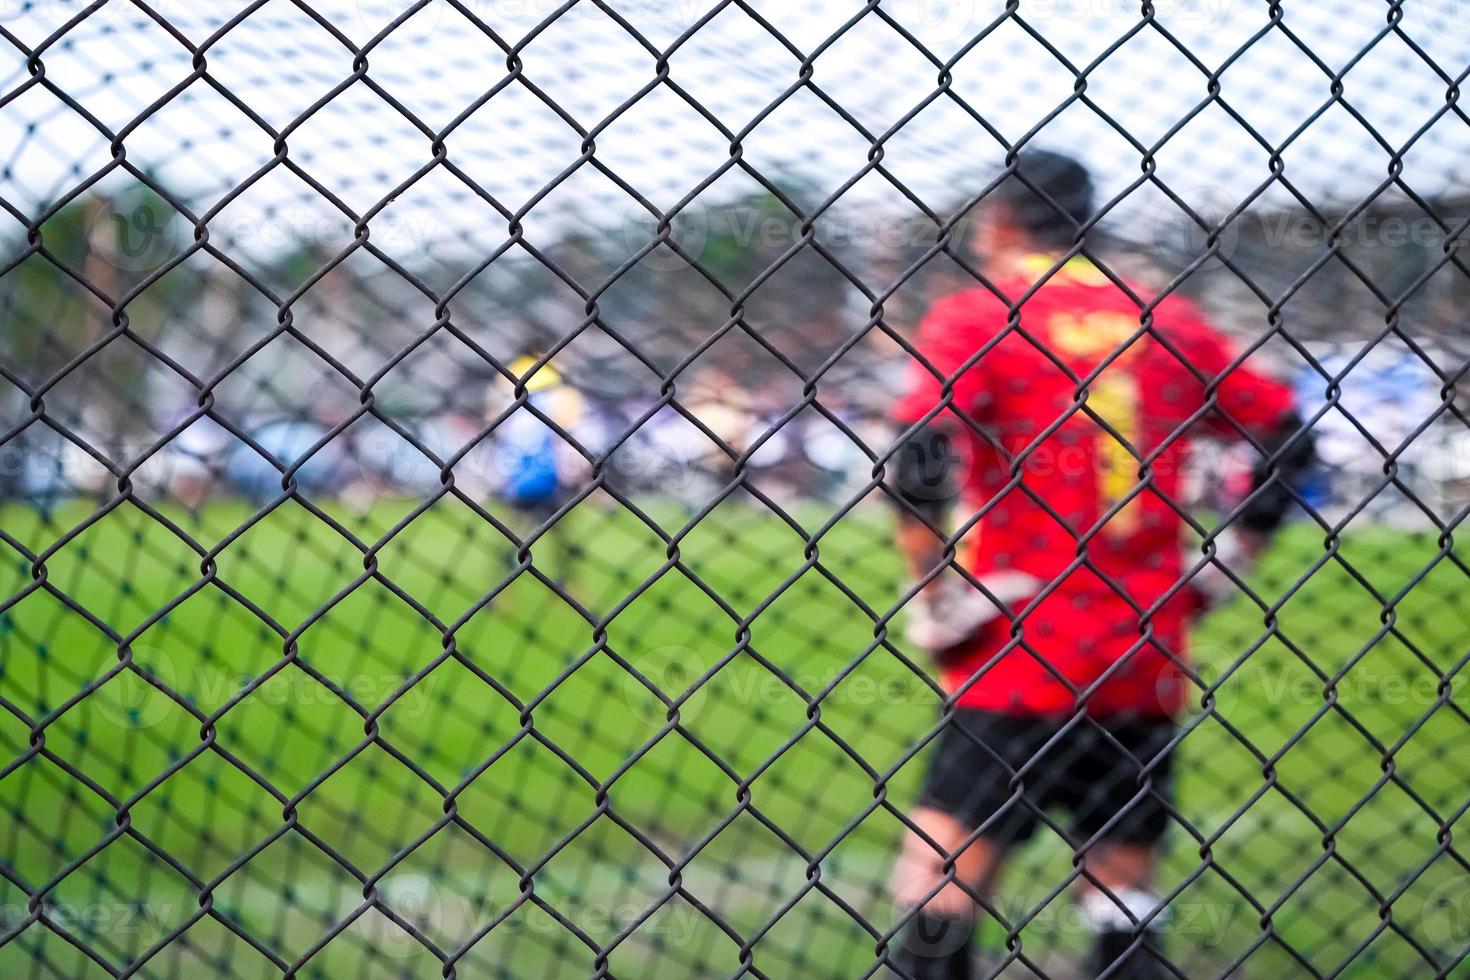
1078,268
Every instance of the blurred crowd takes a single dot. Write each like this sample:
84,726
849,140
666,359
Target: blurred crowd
658,386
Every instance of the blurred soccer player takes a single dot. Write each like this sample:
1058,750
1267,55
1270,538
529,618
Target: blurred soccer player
533,465
1061,430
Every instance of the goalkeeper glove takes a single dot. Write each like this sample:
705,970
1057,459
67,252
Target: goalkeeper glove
950,611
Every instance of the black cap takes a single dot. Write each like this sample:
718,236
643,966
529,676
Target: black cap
1058,200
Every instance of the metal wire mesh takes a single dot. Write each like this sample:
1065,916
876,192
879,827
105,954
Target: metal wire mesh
290,686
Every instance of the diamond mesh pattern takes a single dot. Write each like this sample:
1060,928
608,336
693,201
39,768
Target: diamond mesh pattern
289,686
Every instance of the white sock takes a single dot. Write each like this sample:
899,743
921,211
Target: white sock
1106,912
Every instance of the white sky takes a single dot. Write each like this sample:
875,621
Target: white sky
279,62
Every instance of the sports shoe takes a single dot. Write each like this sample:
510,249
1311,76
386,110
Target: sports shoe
1114,950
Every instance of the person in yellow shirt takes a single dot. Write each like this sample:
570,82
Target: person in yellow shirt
534,466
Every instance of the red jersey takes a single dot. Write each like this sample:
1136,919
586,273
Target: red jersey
1023,388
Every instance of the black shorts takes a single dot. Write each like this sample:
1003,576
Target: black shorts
995,771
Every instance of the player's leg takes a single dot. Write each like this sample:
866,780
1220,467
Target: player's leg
1126,785
967,819
1123,947
552,553
940,875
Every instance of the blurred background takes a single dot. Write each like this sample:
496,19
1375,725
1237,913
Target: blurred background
437,448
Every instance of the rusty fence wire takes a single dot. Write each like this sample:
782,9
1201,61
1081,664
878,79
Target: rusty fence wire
295,681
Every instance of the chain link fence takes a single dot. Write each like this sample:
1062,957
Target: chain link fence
298,679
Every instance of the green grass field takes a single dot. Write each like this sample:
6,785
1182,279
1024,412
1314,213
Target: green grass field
1323,811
